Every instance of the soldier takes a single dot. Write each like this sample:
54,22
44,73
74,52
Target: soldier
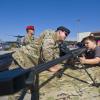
29,37
45,49
42,50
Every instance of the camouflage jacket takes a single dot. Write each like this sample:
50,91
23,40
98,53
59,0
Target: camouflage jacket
28,56
28,39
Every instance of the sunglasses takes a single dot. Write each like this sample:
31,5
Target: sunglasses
66,34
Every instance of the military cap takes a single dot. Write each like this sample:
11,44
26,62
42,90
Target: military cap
30,28
62,28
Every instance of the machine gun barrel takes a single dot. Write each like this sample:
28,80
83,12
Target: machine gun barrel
13,81
71,54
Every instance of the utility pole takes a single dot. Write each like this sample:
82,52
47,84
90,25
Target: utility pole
78,24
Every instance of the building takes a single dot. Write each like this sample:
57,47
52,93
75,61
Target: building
81,35
97,36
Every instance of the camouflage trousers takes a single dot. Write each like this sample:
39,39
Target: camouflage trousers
23,60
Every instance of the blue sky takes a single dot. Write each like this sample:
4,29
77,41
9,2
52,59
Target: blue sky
15,15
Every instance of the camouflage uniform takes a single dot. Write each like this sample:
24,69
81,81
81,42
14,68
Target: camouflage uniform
28,39
28,56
